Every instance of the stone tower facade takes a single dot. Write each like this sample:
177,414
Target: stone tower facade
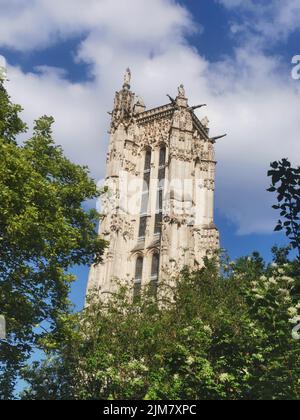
159,200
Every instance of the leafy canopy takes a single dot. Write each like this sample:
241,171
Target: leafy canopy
44,231
210,336
286,184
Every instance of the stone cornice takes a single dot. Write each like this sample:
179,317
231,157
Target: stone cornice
165,111
154,113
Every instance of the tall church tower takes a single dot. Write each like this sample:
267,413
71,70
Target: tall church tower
158,208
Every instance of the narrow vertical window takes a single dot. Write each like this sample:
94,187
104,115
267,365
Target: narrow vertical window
147,166
157,223
142,227
138,276
162,156
139,269
145,195
160,189
155,267
154,273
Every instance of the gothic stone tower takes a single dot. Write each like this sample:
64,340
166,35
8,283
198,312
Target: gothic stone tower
158,209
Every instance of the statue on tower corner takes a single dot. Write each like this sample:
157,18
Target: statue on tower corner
181,91
127,78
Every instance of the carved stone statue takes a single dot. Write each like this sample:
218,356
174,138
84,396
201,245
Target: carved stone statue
181,91
127,77
140,101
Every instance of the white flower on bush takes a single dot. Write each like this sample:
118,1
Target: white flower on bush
295,320
287,279
296,329
190,360
284,291
292,311
224,377
272,281
207,329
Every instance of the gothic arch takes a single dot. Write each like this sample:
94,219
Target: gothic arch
162,144
153,250
136,254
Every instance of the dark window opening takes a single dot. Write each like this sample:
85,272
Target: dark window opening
162,156
160,189
161,174
139,270
158,222
159,203
147,166
142,227
155,267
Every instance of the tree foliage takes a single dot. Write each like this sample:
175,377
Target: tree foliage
210,336
227,331
44,231
286,184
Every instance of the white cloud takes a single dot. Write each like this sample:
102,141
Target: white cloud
80,117
2,61
265,22
249,95
30,24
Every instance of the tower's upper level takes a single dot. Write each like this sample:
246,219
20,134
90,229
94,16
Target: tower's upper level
130,108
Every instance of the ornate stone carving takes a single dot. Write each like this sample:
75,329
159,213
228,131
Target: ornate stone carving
183,120
140,101
154,133
114,155
123,109
209,184
165,239
203,166
129,166
206,238
119,225
180,154
179,220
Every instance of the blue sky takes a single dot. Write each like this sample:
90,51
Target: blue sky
66,58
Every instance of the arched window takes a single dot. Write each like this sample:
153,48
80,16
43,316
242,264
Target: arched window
147,166
139,269
145,194
138,276
160,189
155,267
162,156
154,273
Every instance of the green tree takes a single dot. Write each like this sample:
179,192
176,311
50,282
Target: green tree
209,336
286,184
44,231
